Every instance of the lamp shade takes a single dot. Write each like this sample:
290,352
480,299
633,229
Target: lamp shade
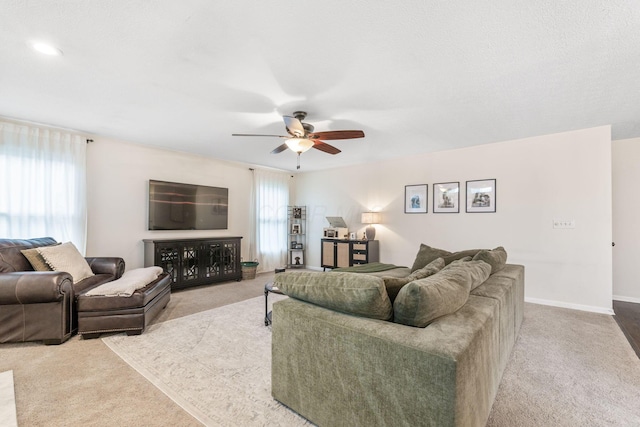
371,217
299,145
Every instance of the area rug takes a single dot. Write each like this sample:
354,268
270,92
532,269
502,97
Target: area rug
568,368
215,364
7,400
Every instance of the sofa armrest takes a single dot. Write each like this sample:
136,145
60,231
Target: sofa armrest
33,287
107,265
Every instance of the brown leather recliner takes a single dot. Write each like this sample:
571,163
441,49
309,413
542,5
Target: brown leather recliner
40,305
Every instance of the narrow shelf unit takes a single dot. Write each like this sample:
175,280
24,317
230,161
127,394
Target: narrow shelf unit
296,229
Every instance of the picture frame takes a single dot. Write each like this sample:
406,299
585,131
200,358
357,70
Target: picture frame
446,197
297,257
297,212
415,198
296,228
481,196
352,236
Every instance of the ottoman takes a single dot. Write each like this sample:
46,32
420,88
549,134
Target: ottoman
98,314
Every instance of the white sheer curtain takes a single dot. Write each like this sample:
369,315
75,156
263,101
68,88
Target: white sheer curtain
42,183
271,196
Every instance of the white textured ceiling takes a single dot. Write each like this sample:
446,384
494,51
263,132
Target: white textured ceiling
415,75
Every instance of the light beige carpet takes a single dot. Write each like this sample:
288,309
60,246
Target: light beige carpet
7,400
568,368
215,364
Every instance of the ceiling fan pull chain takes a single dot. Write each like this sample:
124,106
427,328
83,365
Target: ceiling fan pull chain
298,167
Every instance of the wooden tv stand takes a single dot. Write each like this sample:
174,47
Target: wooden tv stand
193,262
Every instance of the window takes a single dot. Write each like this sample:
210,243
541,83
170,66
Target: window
271,201
42,183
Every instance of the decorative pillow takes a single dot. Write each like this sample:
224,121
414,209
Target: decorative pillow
351,293
394,284
65,257
426,254
496,258
35,259
422,301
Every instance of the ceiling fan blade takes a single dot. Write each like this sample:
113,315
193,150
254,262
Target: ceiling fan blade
279,149
337,134
294,126
323,146
254,134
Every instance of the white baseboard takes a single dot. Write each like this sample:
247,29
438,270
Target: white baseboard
626,299
601,310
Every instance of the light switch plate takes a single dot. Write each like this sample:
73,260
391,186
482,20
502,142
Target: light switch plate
564,223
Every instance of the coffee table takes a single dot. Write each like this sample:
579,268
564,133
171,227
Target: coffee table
269,288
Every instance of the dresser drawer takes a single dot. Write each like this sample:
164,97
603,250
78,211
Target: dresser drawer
360,247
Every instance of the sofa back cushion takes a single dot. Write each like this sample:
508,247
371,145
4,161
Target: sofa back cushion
496,258
425,255
460,255
422,301
12,260
351,293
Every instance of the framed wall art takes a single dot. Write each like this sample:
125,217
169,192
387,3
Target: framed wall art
446,197
415,198
481,196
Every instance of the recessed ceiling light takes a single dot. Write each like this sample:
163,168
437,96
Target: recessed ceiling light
46,48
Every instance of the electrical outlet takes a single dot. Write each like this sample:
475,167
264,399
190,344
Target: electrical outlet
564,223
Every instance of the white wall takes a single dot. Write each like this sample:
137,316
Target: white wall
117,185
626,227
560,176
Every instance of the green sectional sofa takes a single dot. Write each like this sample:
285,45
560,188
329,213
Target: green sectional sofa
338,368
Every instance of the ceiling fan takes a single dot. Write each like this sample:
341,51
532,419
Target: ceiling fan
302,137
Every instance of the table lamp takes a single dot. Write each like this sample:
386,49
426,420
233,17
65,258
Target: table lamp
370,218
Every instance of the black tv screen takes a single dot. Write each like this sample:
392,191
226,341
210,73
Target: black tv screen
174,206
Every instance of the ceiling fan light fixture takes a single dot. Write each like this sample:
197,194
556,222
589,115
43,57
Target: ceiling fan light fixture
299,145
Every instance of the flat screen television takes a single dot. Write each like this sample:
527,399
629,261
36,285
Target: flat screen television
174,206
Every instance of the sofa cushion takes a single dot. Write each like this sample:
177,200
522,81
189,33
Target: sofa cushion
35,259
422,301
351,293
426,254
65,257
460,255
476,272
11,259
394,284
496,258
